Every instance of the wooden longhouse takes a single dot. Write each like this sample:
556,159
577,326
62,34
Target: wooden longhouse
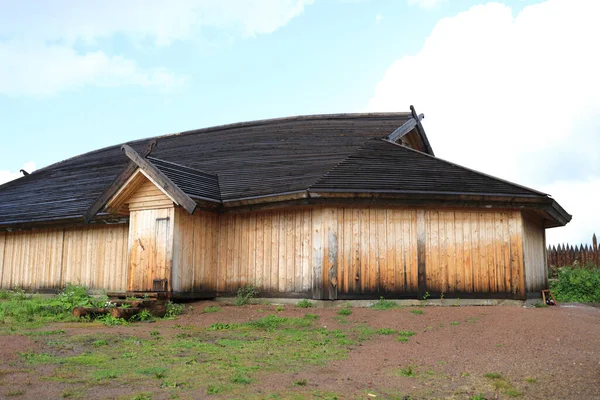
341,206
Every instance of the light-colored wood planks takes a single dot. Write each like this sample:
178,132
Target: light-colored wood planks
474,251
534,246
94,256
318,249
148,196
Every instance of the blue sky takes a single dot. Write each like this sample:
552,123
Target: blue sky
75,77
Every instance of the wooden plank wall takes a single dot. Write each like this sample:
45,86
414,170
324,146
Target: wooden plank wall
94,256
148,196
195,259
325,249
536,267
150,247
468,252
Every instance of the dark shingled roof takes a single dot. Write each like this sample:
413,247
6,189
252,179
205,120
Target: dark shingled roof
193,182
382,166
252,160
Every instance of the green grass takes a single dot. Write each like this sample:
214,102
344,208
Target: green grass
383,304
218,360
211,309
386,331
304,303
344,311
530,380
493,375
408,371
244,294
417,312
454,323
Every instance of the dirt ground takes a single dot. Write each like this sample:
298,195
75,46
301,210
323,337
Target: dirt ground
545,353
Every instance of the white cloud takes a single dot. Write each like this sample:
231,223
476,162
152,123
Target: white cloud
41,42
38,70
6,175
378,18
425,3
513,96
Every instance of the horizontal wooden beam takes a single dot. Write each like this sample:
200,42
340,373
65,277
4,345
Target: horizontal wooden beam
180,197
404,128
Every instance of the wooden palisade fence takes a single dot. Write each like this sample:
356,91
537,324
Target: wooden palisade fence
562,255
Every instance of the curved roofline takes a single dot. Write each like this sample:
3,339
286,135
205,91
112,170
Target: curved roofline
216,128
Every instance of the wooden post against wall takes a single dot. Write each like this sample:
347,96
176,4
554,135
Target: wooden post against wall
421,244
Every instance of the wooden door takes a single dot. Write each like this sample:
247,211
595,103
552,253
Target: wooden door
150,248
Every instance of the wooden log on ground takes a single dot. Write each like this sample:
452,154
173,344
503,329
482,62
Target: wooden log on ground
91,311
125,313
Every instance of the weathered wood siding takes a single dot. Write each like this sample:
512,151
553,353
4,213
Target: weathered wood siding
474,252
195,258
536,267
94,256
328,252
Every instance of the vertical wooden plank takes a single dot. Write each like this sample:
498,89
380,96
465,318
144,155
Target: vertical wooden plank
390,253
421,251
450,253
459,224
317,223
259,263
380,221
275,243
232,276
289,251
345,252
298,250
267,226
401,248
307,250
355,268
282,265
467,243
373,256
364,250
506,252
434,264
330,278
499,251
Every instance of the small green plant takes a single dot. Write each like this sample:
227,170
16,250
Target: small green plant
417,312
304,303
125,305
100,343
143,315
426,296
530,380
406,333
174,309
456,303
513,392
386,331
384,304
142,396
154,332
244,294
403,339
211,309
539,304
406,371
493,375
301,382
280,308
243,379
109,320
344,311
478,397
454,323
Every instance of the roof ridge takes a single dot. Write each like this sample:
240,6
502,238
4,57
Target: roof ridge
467,168
216,128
